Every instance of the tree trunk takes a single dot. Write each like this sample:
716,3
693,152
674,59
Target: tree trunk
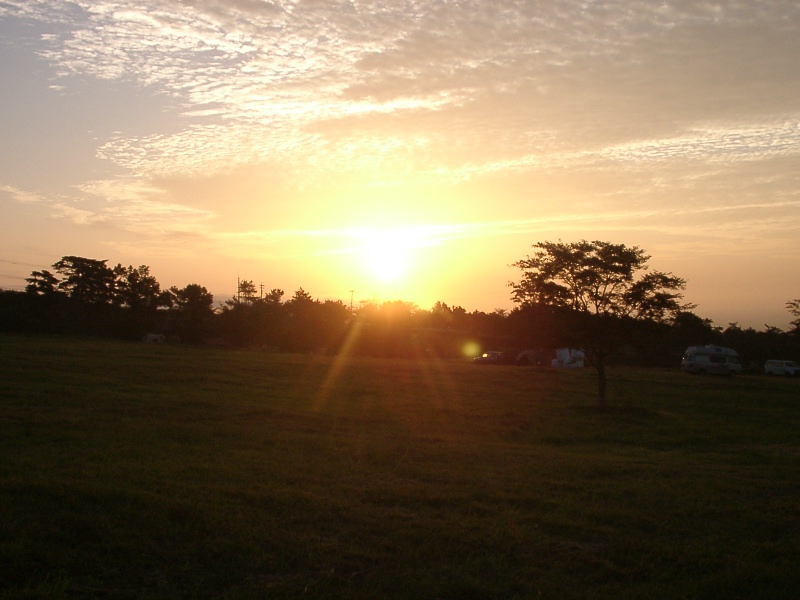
601,382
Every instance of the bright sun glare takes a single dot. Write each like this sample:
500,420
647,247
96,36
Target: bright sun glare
388,255
395,262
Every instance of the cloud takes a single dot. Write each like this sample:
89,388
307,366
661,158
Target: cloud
137,206
479,87
21,196
657,98
76,216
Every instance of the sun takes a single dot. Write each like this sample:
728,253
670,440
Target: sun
394,262
388,255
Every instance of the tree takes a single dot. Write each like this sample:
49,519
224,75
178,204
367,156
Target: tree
335,318
303,322
139,296
691,330
601,286
794,309
45,307
137,289
193,307
247,320
247,292
274,296
86,280
388,329
42,283
90,287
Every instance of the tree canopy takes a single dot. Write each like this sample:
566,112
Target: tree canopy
86,280
598,278
194,308
602,285
794,309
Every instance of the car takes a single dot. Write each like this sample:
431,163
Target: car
790,368
493,357
711,360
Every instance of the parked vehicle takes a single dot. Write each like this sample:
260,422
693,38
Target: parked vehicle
711,360
790,368
493,357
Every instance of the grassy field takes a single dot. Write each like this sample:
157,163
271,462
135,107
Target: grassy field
144,471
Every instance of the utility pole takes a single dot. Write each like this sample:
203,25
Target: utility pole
351,300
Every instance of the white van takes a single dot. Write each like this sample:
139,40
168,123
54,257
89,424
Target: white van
711,360
782,367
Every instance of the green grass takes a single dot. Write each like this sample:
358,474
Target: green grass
142,471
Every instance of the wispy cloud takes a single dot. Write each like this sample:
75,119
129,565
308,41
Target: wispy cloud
136,206
271,76
18,195
737,142
77,216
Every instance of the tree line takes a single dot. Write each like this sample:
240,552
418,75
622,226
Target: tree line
609,301
585,294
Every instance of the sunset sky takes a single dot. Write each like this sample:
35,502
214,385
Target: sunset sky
404,149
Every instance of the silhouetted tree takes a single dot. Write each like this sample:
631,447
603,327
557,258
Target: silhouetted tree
247,292
541,328
238,323
45,308
303,322
597,282
273,319
86,280
756,347
794,309
274,296
23,312
247,320
490,329
137,289
193,307
689,329
444,331
388,329
42,283
138,295
335,318
312,325
89,285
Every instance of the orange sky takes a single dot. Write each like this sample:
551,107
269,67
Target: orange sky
294,143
